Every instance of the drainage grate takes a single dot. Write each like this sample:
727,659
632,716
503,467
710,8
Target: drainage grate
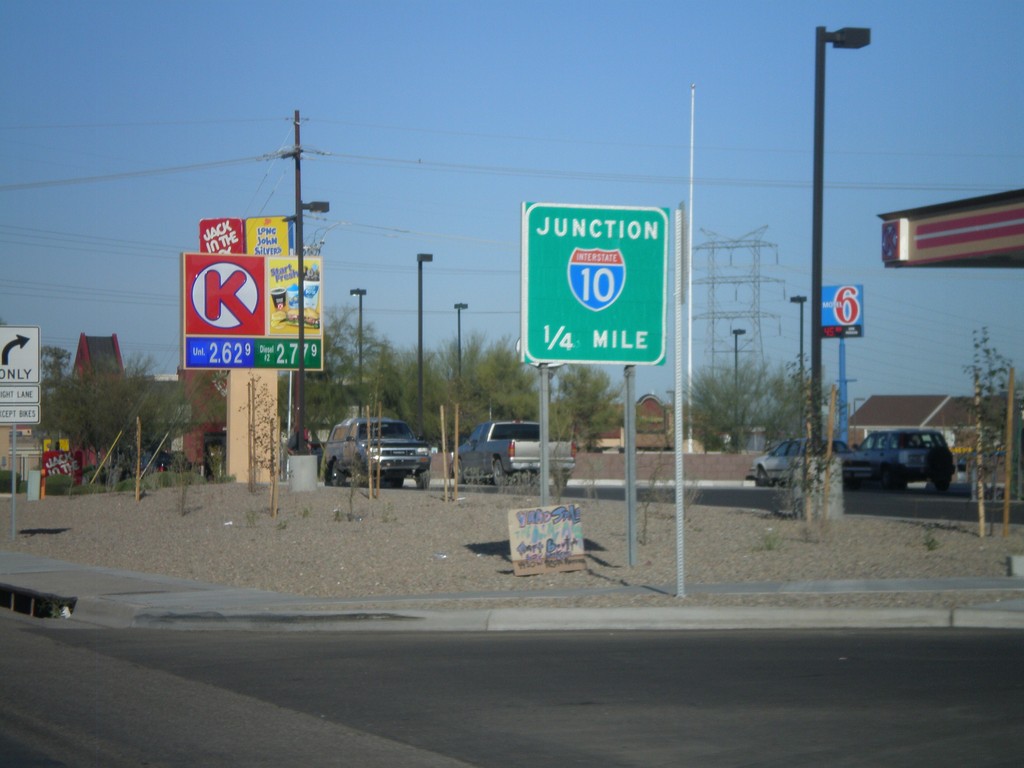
39,605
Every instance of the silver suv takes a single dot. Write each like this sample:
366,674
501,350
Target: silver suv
902,456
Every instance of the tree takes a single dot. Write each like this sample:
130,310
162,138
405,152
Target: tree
727,405
93,409
502,387
336,392
990,373
585,406
55,367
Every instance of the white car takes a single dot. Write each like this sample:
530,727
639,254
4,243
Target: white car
773,468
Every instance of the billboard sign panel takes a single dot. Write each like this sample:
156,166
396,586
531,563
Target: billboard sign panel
224,295
243,312
593,284
842,311
283,288
986,231
222,236
268,236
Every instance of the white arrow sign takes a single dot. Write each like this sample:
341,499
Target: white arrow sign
19,354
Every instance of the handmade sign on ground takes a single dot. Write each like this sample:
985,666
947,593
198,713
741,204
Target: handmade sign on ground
546,539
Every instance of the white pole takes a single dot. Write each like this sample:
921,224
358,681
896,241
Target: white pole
689,289
680,485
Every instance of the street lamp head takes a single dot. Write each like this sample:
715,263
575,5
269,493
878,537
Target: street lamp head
357,292
738,331
422,257
317,206
460,305
849,37
797,299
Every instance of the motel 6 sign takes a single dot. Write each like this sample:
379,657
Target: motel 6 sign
594,284
842,311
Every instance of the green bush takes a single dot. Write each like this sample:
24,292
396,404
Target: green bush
5,482
58,484
63,485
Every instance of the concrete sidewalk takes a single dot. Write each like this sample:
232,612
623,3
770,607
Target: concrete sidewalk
102,597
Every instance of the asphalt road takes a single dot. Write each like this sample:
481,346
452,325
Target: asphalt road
915,502
836,698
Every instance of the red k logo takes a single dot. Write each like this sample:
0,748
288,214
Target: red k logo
226,295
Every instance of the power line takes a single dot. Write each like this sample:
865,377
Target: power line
137,174
419,163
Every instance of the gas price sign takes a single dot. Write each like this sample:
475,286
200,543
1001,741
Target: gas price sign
280,354
243,311
283,354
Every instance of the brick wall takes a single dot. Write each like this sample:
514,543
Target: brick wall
654,466
661,466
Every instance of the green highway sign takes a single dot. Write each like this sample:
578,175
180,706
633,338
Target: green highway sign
594,283
283,354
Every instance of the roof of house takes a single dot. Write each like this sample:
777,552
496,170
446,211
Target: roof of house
98,354
939,411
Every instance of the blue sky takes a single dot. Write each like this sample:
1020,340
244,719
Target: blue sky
427,125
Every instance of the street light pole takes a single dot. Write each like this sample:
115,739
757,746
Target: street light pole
420,258
360,292
736,333
458,309
801,300
847,37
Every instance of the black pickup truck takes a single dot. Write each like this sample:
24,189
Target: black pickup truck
358,447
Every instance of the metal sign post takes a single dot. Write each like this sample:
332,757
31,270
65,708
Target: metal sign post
594,284
19,392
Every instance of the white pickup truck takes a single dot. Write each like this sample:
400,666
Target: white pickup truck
500,450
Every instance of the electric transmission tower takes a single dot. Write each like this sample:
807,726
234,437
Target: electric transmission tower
734,282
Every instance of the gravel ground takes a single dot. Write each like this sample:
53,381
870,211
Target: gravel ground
336,542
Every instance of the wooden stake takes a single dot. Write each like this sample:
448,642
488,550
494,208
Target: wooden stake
110,450
1008,457
444,453
138,458
275,444
380,441
979,472
828,453
455,457
368,415
808,495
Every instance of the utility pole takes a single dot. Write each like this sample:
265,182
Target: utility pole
300,378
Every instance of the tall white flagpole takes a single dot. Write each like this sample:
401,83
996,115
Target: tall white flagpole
689,292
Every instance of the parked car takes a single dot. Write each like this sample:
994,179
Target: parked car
900,456
776,466
501,450
358,447
165,461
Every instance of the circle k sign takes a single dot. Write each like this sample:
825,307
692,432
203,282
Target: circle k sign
225,295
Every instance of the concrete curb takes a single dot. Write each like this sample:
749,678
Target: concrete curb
124,616
109,598
699,618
